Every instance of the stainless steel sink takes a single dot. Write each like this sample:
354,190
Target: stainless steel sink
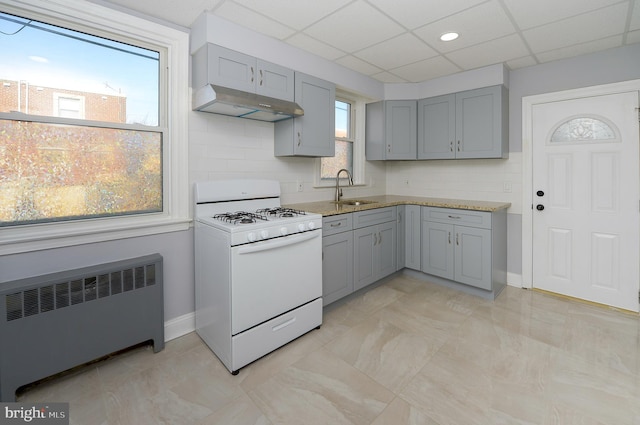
353,202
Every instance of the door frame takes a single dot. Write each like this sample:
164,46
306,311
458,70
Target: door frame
528,103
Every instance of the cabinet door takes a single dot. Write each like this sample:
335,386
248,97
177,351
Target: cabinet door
438,249
231,69
400,235
401,129
437,127
364,270
479,123
337,266
312,134
275,81
385,249
473,256
412,239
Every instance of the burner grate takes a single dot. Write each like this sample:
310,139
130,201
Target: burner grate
241,217
280,212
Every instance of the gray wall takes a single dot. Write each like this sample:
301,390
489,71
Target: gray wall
611,66
176,248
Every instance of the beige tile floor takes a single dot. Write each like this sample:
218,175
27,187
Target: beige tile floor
406,352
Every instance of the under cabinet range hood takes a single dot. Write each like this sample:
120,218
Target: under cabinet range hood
237,103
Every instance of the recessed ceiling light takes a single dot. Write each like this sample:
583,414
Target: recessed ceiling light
449,36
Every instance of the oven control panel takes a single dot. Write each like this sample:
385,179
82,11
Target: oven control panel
270,231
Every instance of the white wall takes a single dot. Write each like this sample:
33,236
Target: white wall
223,147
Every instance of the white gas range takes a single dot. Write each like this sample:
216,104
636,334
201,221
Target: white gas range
258,269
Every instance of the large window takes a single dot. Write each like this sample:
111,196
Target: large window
86,129
81,137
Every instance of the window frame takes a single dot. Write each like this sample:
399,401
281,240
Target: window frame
173,115
357,119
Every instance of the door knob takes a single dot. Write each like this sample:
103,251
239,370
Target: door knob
540,193
539,207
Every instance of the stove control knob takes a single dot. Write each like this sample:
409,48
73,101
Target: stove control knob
251,237
312,225
283,231
264,234
301,227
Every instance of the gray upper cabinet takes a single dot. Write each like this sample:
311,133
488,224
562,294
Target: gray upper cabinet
391,130
314,133
437,127
236,70
469,124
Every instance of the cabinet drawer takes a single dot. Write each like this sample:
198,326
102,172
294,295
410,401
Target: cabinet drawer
374,216
480,219
336,224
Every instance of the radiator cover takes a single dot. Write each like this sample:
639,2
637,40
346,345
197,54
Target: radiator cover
54,322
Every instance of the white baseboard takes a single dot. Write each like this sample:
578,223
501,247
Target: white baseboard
514,280
179,326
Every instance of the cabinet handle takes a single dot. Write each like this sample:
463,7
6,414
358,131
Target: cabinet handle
451,146
458,145
252,74
457,241
454,217
299,138
260,77
379,238
338,224
449,238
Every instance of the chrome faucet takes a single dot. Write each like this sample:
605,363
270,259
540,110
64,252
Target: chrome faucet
338,190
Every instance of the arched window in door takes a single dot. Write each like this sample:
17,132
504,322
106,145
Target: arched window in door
584,129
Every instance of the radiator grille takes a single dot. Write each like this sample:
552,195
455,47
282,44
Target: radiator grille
57,295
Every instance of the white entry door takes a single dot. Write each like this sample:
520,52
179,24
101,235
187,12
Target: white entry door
586,198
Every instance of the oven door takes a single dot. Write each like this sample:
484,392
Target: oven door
271,277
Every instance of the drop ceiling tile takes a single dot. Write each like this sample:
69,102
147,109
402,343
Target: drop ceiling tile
358,65
528,14
521,62
476,25
426,70
255,21
387,77
587,27
296,14
310,44
580,49
401,50
489,53
354,27
415,13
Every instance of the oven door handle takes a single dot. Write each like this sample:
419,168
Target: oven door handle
278,242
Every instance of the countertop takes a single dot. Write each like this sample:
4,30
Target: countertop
327,208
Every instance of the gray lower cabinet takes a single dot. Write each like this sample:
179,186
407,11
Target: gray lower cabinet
465,246
337,257
412,237
374,245
400,230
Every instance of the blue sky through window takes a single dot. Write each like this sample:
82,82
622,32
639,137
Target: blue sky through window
46,55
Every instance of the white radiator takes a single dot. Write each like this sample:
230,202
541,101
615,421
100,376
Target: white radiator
54,322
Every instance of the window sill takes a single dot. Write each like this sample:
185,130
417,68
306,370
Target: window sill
15,240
